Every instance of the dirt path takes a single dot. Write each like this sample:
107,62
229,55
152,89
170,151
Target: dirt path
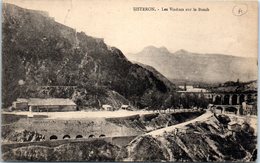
203,117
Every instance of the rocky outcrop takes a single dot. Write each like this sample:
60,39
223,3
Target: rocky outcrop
153,121
97,150
204,141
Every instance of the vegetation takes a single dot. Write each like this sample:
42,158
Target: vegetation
194,100
43,58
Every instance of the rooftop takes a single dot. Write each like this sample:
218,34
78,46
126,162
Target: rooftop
192,89
50,101
106,106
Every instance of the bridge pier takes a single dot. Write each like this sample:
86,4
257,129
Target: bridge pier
223,108
230,99
238,102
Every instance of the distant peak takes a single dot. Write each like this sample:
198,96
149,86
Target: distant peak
149,47
164,49
181,51
155,49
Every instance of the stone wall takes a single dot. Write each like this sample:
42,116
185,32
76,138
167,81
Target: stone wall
85,128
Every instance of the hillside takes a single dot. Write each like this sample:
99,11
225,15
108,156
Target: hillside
202,141
208,140
236,87
43,58
184,65
158,75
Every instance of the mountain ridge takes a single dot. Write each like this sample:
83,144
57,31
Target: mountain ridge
183,51
205,67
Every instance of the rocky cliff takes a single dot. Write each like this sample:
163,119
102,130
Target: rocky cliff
202,141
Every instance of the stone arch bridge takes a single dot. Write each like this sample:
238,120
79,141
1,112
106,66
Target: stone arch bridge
232,98
230,102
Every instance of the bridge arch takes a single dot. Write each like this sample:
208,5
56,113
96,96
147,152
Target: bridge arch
249,98
217,100
226,100
66,137
231,109
220,108
102,135
234,100
53,137
91,136
241,99
79,136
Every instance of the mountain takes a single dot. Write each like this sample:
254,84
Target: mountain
184,65
43,58
158,75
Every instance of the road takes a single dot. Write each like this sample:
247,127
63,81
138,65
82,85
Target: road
203,117
89,114
82,114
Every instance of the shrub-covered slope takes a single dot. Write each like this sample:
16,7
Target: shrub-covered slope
203,141
43,58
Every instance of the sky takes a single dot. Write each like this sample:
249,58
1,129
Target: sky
226,28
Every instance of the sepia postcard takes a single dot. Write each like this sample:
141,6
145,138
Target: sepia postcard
132,80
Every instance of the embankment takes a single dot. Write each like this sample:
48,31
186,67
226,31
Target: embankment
20,128
149,122
208,140
95,150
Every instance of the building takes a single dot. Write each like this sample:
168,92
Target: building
234,126
125,107
21,104
45,105
107,107
191,89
